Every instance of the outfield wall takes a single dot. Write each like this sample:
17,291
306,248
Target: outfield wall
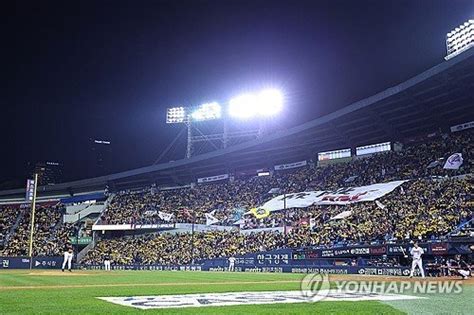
337,260
389,271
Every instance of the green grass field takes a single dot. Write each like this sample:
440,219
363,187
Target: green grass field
48,292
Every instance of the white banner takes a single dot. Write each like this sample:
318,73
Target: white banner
280,167
212,178
462,126
453,162
341,196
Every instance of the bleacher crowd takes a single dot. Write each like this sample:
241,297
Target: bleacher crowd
50,234
429,205
230,197
424,210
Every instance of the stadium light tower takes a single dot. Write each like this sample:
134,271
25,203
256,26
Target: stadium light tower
460,39
261,105
176,115
266,103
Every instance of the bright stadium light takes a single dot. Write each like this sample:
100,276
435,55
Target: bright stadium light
175,115
243,106
263,104
207,111
460,39
270,102
266,103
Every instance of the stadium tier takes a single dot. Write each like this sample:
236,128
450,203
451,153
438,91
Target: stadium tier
427,206
226,197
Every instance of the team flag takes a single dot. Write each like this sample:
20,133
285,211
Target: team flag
260,213
453,162
210,218
165,216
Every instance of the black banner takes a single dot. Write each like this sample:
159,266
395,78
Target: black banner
51,262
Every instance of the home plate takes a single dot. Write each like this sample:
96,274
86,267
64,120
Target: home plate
246,298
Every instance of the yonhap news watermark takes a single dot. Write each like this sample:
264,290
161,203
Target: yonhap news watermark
316,287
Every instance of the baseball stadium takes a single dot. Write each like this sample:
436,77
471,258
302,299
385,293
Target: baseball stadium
365,210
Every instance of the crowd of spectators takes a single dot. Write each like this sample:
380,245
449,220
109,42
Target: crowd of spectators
177,249
228,198
422,209
425,207
8,215
50,234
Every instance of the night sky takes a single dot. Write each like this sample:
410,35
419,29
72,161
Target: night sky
76,70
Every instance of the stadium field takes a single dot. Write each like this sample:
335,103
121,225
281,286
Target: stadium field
41,292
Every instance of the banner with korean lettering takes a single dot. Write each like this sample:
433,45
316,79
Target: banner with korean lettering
30,189
342,196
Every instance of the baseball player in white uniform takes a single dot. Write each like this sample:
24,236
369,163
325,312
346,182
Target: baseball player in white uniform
232,263
416,253
107,262
68,254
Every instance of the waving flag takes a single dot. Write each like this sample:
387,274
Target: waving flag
341,196
453,162
211,219
165,216
238,213
260,213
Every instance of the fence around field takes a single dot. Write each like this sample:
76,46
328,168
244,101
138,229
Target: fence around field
378,259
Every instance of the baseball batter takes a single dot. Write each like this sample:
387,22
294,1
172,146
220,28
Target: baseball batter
416,253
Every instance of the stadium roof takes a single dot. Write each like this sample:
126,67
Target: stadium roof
436,99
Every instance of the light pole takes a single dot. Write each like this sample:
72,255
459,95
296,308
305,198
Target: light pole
33,206
285,214
259,105
192,237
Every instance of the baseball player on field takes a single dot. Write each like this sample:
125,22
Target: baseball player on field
460,267
107,262
416,252
68,254
232,263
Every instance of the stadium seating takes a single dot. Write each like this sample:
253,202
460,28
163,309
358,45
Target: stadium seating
429,206
50,235
427,209
8,217
245,193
